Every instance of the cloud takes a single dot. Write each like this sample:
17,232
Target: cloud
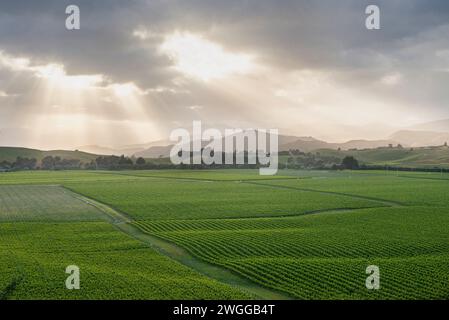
195,107
202,59
295,64
391,79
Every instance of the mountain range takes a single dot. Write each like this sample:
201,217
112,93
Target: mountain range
425,134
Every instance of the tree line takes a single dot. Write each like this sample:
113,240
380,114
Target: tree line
58,163
296,160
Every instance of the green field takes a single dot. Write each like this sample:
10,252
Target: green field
43,203
224,234
171,199
113,265
325,255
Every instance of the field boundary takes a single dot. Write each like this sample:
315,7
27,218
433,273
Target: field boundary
113,214
280,216
388,202
423,178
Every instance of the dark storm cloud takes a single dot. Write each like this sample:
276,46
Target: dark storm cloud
104,44
293,34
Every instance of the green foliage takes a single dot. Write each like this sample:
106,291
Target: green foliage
33,258
140,161
349,162
324,256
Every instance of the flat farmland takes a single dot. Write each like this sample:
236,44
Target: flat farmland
164,234
408,189
44,229
191,199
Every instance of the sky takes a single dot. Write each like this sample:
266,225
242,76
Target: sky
136,70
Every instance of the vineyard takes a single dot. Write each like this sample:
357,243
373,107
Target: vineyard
157,198
325,255
113,265
43,229
301,234
43,203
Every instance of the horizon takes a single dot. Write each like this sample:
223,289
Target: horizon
166,142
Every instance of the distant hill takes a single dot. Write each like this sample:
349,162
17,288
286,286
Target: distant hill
163,150
155,152
127,150
439,126
286,143
423,157
304,144
365,144
308,144
11,153
109,151
415,138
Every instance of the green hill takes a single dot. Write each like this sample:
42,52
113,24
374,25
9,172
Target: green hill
11,153
425,157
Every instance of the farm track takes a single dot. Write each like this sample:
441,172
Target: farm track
113,215
387,202
124,223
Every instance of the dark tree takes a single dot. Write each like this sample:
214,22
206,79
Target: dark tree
140,161
5,165
125,161
349,162
48,163
24,163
